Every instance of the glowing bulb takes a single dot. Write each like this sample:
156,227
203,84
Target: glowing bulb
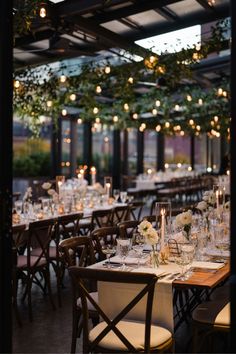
182,133
16,84
107,69
62,79
200,101
42,12
209,169
126,107
166,165
152,59
179,164
224,93
97,120
216,118
49,103
98,89
64,112
135,116
167,124
189,98
143,126
115,119
177,107
158,103
189,168
130,80
106,139
154,112
158,128
198,46
198,127
220,91
72,97
79,121
191,121
95,110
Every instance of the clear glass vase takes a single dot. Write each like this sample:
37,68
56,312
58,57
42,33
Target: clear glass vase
154,259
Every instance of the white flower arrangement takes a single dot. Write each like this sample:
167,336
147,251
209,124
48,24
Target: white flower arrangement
46,185
28,195
146,229
184,221
202,206
210,198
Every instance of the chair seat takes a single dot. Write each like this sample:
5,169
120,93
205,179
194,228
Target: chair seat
213,313
22,261
134,332
52,252
94,295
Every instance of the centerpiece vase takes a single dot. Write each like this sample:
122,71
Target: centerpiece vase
154,258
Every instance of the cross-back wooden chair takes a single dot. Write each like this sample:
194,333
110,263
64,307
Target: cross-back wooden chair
103,236
136,208
18,246
68,225
69,251
120,213
115,333
39,237
128,227
99,218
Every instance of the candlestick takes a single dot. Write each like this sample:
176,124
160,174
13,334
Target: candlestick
163,212
108,186
93,175
217,201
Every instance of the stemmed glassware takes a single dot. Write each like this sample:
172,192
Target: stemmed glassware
18,206
124,248
109,250
137,245
123,196
116,194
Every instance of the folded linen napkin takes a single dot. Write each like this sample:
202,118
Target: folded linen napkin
129,260
207,265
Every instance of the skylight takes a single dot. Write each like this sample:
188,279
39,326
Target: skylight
172,41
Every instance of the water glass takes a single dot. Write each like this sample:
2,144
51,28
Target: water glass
124,247
116,194
18,206
109,250
123,197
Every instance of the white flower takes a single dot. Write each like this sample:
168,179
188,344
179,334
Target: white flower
202,206
151,236
205,198
184,218
28,194
51,191
144,226
46,185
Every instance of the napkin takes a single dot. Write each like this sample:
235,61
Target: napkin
207,265
129,260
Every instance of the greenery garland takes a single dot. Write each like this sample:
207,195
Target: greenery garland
173,107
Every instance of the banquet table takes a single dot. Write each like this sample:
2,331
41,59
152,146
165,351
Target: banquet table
202,279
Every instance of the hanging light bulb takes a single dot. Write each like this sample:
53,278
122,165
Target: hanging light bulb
216,118
98,89
43,10
154,112
191,121
220,91
95,110
135,116
115,119
16,84
200,101
177,107
158,128
72,97
79,121
189,98
130,80
98,120
224,93
167,124
64,112
63,78
158,103
107,69
126,107
49,103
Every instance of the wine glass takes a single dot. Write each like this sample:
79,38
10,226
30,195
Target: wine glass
123,197
137,245
116,194
18,206
109,250
124,247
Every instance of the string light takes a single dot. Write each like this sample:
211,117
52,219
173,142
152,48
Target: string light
154,112
220,91
177,107
166,165
95,110
200,101
135,116
191,121
224,93
63,79
98,120
189,98
130,80
72,97
158,103
106,139
42,10
107,69
64,112
158,128
126,107
115,119
216,118
167,124
16,84
152,59
182,133
49,103
79,121
198,127
98,89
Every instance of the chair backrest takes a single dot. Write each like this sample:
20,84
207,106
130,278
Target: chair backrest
80,246
120,213
136,208
128,227
68,225
79,277
40,236
18,238
103,236
101,218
